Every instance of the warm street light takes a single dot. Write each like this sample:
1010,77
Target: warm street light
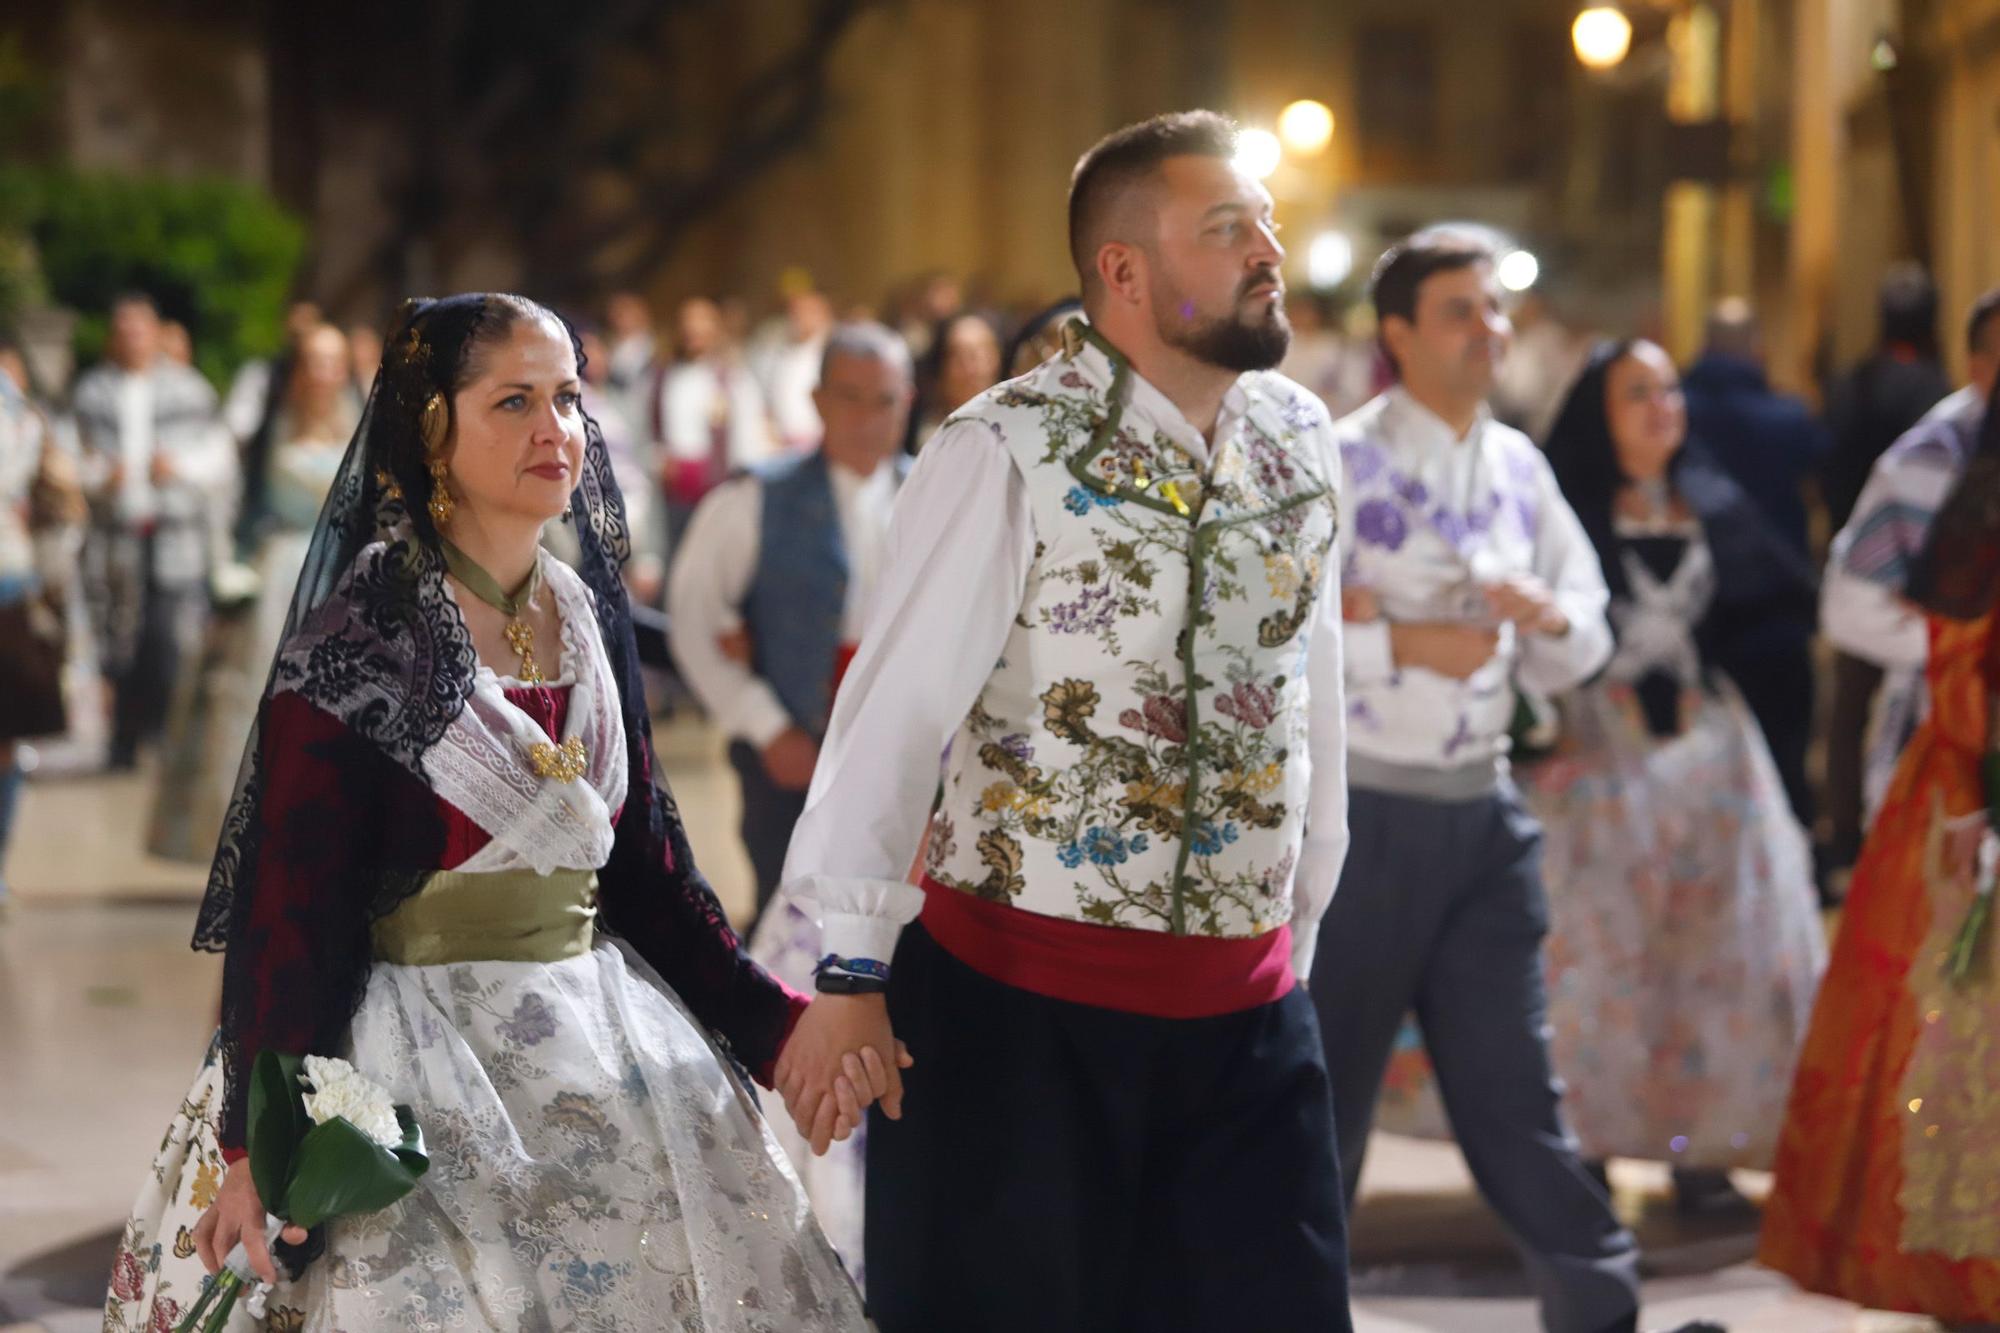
1518,270
1306,127
1258,152
1329,259
1602,35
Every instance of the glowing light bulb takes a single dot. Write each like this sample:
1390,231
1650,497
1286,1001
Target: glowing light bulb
1258,152
1306,127
1518,270
1602,36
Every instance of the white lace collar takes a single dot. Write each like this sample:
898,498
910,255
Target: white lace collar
482,766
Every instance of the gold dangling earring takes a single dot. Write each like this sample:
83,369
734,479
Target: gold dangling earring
433,424
441,505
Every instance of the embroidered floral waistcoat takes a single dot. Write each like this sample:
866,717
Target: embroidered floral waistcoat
1139,756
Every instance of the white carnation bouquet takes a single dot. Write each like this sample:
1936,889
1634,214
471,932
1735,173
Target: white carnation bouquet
323,1142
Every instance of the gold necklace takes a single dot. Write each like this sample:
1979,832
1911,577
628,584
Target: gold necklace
519,633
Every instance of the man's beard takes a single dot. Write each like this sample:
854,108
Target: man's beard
1229,342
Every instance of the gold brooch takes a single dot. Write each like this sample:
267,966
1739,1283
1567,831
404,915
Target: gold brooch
565,763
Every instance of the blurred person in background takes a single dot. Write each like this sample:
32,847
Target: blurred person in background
1769,445
964,362
925,306
711,416
771,582
156,460
1324,359
786,364
250,390
1684,935
632,368
1466,577
1545,359
1883,1185
176,345
1038,338
1872,405
289,465
1880,637
635,462
39,502
364,349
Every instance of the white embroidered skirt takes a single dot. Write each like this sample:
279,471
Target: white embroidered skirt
594,1165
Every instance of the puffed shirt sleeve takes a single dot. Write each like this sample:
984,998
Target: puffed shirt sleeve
959,549
1566,561
1862,611
1325,847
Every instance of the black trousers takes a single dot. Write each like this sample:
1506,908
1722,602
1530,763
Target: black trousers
1855,683
770,813
1440,909
1778,686
1068,1169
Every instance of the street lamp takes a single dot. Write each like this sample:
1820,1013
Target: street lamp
1518,270
1258,152
1306,127
1329,259
1602,36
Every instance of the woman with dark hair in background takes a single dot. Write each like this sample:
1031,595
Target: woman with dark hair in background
289,463
451,860
963,362
1684,942
1891,1145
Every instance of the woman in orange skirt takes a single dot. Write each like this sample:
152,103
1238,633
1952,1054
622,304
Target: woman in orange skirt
1888,1170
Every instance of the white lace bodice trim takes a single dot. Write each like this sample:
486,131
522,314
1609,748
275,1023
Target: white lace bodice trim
481,766
1656,618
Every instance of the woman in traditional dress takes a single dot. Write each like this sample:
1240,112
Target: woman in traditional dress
1684,944
289,463
450,785
1888,1171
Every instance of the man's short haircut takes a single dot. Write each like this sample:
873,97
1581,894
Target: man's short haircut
1980,324
133,296
867,341
1732,328
1401,272
1126,158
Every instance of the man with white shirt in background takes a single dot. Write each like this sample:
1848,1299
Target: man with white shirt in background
1111,590
632,373
776,570
785,358
1467,573
709,414
1862,610
158,465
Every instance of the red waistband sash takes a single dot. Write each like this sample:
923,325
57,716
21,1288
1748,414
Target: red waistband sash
1133,971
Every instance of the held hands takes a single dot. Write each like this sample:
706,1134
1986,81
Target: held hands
238,1215
1529,603
841,1057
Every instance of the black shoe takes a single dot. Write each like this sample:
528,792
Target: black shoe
1708,1194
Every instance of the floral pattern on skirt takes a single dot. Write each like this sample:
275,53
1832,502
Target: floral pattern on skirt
595,1165
1684,945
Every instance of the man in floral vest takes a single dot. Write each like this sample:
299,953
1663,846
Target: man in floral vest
1112,593
1465,574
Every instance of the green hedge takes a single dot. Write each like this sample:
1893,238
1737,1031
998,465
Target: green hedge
216,254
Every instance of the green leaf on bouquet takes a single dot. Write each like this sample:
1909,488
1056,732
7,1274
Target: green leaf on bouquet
340,1171
277,1123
